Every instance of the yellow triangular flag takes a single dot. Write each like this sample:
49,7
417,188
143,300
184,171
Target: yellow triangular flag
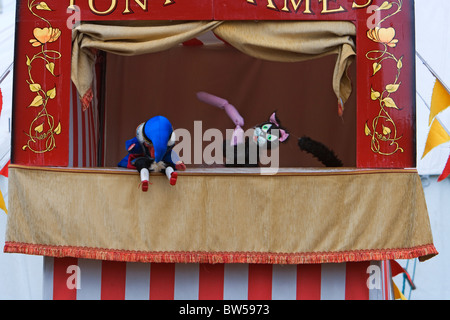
397,293
2,203
440,100
436,137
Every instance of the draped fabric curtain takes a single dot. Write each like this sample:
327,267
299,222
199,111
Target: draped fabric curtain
286,41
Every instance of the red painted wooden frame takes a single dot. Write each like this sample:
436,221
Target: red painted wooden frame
385,66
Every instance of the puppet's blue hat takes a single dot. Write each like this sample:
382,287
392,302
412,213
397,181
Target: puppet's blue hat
158,130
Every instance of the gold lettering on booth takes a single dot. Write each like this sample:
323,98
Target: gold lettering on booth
296,5
327,6
325,9
141,4
106,7
359,6
111,8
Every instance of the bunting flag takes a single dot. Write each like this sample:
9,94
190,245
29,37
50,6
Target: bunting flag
398,295
397,269
2,203
437,136
4,170
440,100
446,171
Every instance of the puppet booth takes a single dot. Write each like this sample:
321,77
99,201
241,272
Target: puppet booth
101,85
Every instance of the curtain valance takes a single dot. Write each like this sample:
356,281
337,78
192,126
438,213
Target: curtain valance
287,41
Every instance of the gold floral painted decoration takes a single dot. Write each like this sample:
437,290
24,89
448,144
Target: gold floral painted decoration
42,36
43,128
383,35
382,129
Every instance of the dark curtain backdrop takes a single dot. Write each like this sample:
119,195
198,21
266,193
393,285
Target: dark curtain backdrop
165,83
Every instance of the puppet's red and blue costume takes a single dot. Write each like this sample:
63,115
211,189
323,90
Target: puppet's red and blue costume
152,150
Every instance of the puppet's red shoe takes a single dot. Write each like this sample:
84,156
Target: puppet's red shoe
173,178
145,185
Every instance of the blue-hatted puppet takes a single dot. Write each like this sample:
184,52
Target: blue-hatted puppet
151,151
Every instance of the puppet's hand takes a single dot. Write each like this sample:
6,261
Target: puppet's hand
238,136
180,166
218,102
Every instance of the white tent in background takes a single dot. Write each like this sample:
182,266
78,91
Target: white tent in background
20,275
433,52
